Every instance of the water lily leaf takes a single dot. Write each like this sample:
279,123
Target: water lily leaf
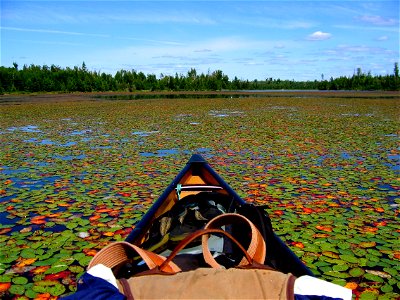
25,262
340,268
38,220
337,274
84,262
371,257
17,289
50,224
367,244
40,269
391,271
56,269
351,285
348,258
373,277
4,286
338,281
387,288
59,275
52,287
30,293
71,225
369,295
356,272
20,280
330,254
76,269
374,252
28,253
360,252
373,264
5,230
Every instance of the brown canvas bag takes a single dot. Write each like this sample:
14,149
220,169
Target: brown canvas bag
210,283
164,280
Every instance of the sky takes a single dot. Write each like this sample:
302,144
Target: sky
295,40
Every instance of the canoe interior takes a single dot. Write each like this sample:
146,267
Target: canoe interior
194,181
198,178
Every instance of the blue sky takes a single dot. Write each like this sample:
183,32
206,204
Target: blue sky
298,40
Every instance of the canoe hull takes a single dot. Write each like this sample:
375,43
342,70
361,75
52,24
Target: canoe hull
197,176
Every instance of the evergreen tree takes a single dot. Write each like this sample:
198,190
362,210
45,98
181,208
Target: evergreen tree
34,78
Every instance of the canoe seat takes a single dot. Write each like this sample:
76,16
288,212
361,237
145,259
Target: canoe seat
193,212
187,215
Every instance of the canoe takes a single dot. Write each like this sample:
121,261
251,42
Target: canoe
198,185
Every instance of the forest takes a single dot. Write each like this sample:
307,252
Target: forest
36,78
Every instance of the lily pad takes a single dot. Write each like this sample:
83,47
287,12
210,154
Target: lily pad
349,258
20,280
56,269
369,295
340,268
356,272
337,274
373,277
54,288
30,293
17,289
387,288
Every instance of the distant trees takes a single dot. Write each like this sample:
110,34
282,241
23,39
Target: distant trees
36,78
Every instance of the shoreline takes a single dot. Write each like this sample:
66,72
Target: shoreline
108,96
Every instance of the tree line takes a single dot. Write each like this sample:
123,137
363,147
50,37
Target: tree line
35,78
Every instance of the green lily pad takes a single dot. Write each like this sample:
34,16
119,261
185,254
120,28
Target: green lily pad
76,269
55,288
30,293
56,269
391,271
340,268
387,288
337,274
71,225
372,277
360,252
356,272
349,258
330,254
20,280
368,295
28,253
84,262
17,289
338,281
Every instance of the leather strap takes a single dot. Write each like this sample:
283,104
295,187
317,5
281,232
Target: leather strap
195,235
125,289
256,249
119,252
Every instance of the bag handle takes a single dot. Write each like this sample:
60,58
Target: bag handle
202,232
119,252
256,249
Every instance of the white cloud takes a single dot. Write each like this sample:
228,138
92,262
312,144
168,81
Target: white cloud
364,28
60,32
378,20
53,31
319,36
203,50
279,46
383,38
360,49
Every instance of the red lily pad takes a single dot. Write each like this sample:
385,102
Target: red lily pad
59,275
4,286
